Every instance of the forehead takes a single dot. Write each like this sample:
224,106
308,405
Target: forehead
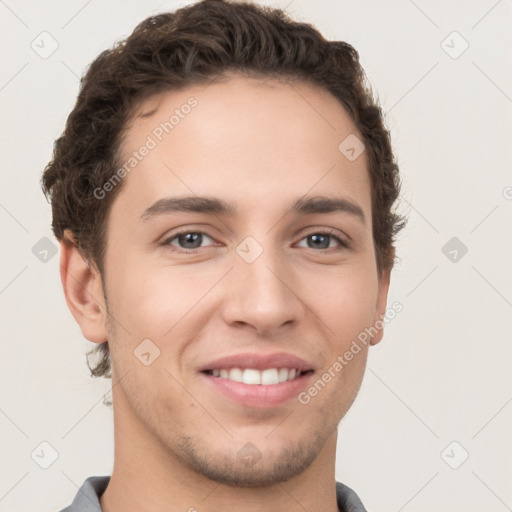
256,142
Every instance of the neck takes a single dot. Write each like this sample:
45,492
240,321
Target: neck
149,477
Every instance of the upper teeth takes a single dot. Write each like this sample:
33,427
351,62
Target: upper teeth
252,376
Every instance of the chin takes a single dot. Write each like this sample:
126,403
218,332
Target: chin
251,466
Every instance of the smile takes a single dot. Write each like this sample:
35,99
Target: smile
252,376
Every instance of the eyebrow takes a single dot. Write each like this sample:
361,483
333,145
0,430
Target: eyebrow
216,206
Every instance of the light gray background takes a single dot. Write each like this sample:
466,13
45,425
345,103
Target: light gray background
442,372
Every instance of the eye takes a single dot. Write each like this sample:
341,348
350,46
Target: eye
188,240
321,240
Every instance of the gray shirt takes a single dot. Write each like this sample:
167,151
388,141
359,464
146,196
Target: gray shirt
88,496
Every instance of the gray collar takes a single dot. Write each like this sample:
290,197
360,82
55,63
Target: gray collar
88,497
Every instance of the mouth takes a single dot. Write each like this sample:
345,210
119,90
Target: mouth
256,380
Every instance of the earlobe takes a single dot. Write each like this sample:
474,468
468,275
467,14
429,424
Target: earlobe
83,291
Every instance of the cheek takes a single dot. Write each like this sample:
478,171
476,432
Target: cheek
345,301
150,303
155,301
349,306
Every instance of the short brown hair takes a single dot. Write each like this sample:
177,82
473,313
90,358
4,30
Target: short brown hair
191,46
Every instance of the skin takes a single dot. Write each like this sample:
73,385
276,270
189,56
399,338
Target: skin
260,146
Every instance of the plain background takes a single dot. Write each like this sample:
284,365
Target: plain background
442,372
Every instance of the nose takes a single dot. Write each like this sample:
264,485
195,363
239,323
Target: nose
262,295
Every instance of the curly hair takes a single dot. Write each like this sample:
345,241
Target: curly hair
190,46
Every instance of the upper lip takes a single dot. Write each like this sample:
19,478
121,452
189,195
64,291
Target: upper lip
258,362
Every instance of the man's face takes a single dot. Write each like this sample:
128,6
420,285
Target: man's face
246,294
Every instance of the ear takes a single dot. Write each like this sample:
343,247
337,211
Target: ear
83,290
382,298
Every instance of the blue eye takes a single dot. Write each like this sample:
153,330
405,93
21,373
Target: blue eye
319,240
191,241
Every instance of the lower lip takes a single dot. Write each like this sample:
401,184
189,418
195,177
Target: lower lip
256,395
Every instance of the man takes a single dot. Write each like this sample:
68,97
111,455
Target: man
223,197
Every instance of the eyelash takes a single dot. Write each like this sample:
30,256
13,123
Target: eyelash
343,244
